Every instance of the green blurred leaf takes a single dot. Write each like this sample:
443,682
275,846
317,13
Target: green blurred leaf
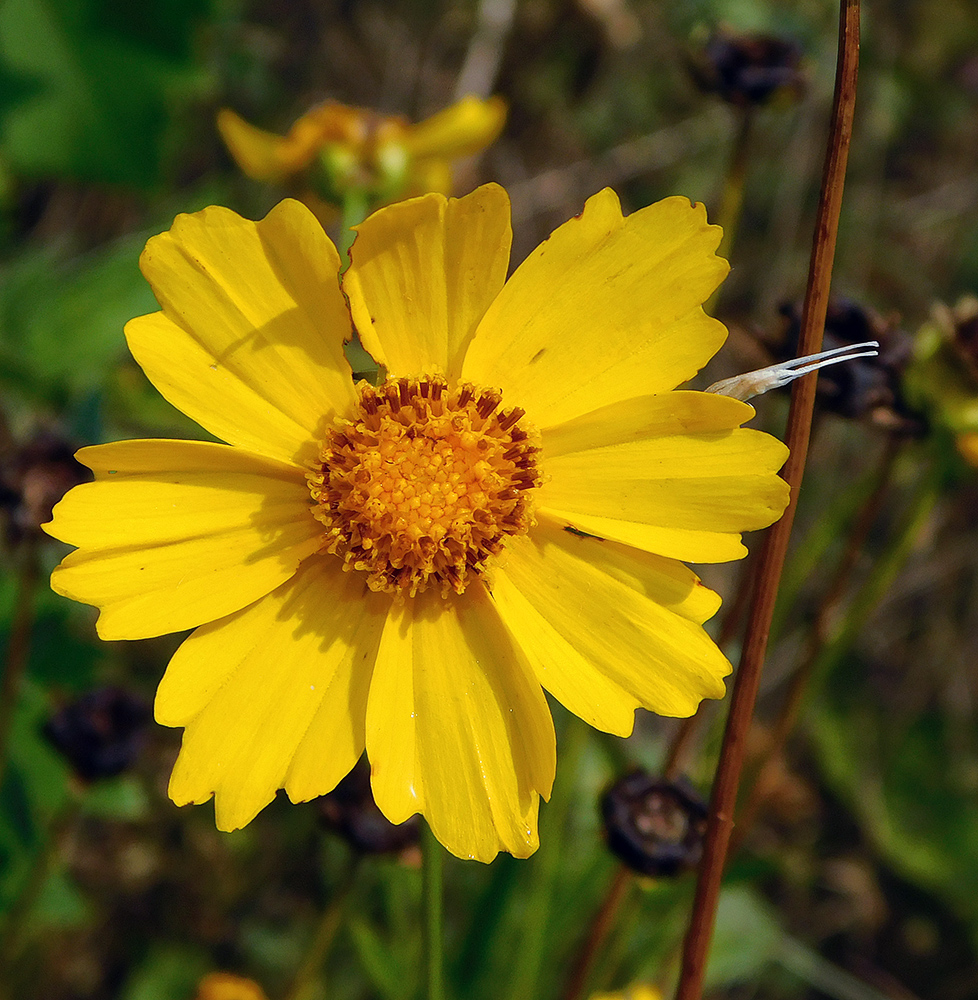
166,974
60,903
104,76
391,978
910,782
61,322
745,940
122,798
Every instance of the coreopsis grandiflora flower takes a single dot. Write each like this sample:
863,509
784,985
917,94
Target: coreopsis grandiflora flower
405,569
334,149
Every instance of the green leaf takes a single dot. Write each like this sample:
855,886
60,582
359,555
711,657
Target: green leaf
60,904
167,973
61,322
122,798
910,783
104,75
392,980
745,940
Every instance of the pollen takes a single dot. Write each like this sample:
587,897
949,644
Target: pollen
424,484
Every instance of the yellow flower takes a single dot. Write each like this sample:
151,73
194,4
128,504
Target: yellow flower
640,991
406,569
355,148
224,986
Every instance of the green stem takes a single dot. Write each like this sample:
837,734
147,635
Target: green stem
800,681
323,938
732,198
884,572
18,646
18,917
602,925
548,863
431,874
355,208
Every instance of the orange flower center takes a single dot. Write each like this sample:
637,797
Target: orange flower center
424,484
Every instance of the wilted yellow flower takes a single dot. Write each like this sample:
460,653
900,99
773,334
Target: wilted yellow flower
224,986
406,568
336,149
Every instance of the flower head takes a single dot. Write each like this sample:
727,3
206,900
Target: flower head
335,149
654,826
749,69
403,569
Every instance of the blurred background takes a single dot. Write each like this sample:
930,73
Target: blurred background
857,874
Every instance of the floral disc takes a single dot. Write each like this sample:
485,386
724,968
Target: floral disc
423,485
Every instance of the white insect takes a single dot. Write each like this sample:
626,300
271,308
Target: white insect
774,376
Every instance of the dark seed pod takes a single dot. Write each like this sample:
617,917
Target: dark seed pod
749,69
654,826
100,733
863,388
34,476
350,811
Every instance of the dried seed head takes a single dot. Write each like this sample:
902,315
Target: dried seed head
34,476
749,69
100,733
654,826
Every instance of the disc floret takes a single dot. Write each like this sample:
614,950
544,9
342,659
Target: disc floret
423,485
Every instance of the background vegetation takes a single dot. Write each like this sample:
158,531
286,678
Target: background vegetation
859,877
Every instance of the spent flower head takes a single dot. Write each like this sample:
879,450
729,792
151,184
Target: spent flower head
654,826
334,151
749,69
405,569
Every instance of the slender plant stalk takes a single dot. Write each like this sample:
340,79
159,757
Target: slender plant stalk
433,928
700,932
732,200
601,927
16,926
732,197
323,938
548,864
18,646
818,638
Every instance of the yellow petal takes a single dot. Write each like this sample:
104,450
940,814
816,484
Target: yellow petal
258,153
466,127
607,628
457,729
670,474
644,417
176,533
423,274
606,309
250,340
256,688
